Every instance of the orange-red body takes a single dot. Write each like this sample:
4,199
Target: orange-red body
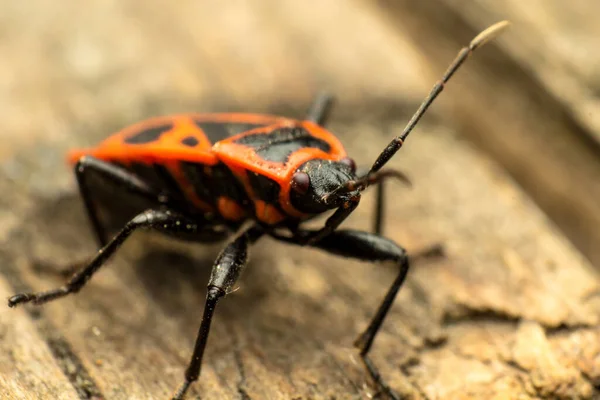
205,157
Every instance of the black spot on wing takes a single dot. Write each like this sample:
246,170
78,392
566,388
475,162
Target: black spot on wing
280,143
190,141
148,135
216,131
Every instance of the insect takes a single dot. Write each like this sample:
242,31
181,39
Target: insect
204,177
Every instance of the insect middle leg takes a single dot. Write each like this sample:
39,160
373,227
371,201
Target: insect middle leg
225,272
431,251
163,220
367,246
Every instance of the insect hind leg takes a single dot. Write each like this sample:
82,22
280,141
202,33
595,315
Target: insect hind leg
320,108
114,174
226,270
157,219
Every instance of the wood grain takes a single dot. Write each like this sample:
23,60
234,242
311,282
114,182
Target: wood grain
28,369
511,312
529,99
287,332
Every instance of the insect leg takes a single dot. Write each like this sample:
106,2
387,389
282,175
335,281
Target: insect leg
379,209
331,224
320,109
160,220
430,252
115,175
366,246
379,179
225,272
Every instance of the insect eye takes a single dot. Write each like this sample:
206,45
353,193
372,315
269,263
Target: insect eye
350,163
300,182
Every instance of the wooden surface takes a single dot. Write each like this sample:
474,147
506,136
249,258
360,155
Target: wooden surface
512,312
540,116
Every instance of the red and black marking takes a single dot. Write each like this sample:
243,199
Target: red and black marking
190,141
229,200
275,153
233,165
174,155
280,143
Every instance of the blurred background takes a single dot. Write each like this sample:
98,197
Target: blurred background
72,72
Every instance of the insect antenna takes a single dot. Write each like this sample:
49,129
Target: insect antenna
461,57
362,182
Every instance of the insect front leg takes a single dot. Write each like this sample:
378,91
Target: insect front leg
379,180
306,237
157,219
225,273
367,246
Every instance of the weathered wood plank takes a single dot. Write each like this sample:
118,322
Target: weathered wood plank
557,44
28,369
524,101
513,310
506,263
